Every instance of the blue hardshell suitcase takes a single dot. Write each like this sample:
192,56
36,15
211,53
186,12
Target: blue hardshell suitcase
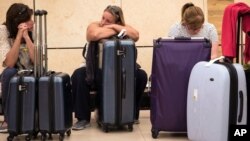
21,106
55,104
117,63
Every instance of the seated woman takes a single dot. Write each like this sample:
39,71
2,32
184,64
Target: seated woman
111,23
192,25
16,48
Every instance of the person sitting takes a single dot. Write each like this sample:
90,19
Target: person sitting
192,25
111,23
16,49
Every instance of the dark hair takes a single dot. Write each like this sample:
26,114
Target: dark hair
117,13
16,14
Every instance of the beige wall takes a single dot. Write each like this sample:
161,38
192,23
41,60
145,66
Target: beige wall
68,19
245,1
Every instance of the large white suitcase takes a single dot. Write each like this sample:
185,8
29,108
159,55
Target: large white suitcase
216,99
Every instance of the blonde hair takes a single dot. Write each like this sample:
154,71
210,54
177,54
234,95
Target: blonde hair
192,16
117,13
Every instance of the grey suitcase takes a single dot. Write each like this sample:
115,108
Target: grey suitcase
117,62
216,99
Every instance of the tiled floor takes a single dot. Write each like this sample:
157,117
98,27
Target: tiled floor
141,132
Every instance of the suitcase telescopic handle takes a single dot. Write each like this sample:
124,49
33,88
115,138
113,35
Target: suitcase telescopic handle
40,39
45,57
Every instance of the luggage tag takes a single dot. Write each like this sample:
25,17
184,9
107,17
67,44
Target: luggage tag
122,33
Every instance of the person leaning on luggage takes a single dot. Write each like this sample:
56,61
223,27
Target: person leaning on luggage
192,25
16,48
111,23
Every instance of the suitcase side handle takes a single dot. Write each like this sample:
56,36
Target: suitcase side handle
241,106
123,83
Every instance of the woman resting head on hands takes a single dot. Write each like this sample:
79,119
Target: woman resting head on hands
193,25
112,22
16,48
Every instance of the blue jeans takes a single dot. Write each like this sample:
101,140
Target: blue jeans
6,75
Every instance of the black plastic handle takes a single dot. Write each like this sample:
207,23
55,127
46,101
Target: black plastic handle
241,106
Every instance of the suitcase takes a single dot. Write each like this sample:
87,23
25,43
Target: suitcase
173,59
21,106
216,100
117,62
55,104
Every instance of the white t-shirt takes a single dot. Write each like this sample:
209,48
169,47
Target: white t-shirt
208,31
4,45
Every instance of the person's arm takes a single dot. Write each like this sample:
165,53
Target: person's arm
4,45
12,55
214,50
95,32
29,44
214,39
130,31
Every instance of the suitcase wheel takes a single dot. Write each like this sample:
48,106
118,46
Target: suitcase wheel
43,137
61,136
68,132
105,128
35,135
10,138
130,127
50,136
28,138
99,124
155,133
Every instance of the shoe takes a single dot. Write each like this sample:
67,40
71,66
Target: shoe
136,121
80,125
4,127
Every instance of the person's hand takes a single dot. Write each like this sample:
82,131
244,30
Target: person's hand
23,30
22,27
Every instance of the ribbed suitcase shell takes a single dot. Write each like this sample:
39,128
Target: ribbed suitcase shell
117,100
173,60
212,101
55,104
21,106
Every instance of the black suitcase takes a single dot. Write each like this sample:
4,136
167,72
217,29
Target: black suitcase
21,106
55,104
117,62
240,46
